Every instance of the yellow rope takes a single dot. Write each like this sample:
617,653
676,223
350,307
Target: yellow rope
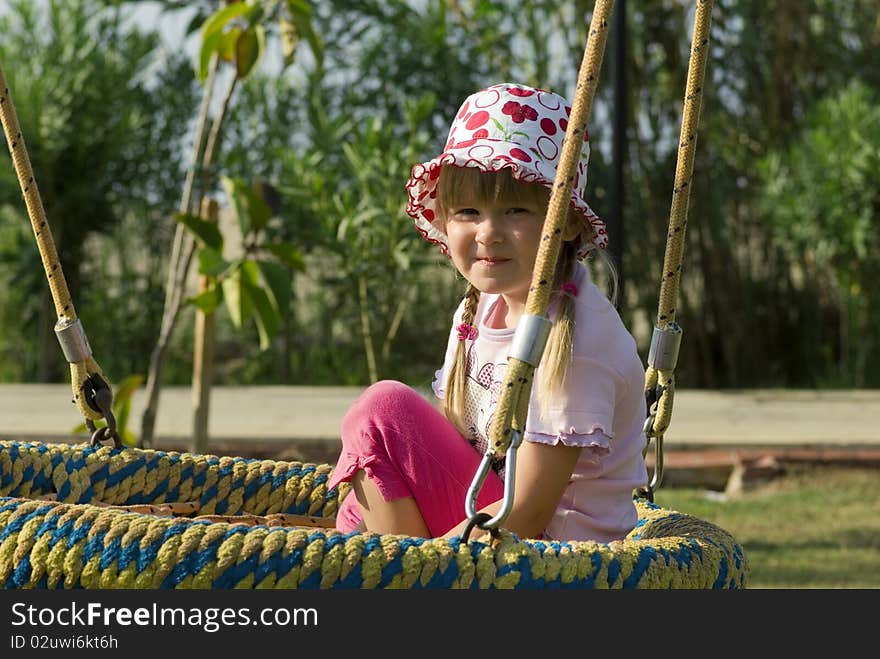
687,147
513,403
80,371
661,383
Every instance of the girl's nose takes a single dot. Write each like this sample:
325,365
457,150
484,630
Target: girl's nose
489,229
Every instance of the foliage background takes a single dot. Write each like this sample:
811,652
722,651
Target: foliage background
782,248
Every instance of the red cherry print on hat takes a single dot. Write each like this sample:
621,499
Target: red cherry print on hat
519,154
481,134
522,93
568,110
477,119
519,112
464,109
428,214
563,124
465,144
548,126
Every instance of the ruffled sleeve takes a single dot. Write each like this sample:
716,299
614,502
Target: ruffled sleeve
582,414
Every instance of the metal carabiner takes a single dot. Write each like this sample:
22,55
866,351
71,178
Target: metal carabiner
470,503
104,433
653,399
657,477
100,398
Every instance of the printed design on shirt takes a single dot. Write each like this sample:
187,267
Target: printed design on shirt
483,392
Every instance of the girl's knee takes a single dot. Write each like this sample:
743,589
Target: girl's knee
385,390
384,399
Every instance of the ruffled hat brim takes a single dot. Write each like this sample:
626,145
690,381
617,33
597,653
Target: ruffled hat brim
422,189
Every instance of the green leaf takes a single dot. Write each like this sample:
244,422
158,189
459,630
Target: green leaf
301,16
129,385
258,210
287,254
209,300
289,39
267,317
280,284
211,262
226,47
207,232
212,31
233,188
121,414
209,47
238,301
250,208
248,48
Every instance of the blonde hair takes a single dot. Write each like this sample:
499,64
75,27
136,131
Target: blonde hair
456,182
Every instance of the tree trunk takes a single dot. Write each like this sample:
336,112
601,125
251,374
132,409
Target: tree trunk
203,354
184,248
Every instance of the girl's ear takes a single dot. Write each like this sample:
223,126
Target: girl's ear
573,227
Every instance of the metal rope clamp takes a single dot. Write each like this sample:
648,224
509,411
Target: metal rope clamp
662,356
527,346
72,338
97,393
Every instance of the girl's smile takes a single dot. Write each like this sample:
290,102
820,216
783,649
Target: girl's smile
489,261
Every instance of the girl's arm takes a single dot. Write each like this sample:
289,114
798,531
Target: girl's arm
542,474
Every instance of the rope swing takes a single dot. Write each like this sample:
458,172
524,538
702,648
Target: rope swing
100,517
91,392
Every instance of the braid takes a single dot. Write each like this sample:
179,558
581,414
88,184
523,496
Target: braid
557,353
456,387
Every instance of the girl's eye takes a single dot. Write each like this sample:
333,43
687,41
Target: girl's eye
466,213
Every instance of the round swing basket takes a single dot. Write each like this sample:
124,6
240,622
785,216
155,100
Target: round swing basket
75,516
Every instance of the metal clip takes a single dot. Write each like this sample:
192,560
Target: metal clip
652,397
100,398
470,503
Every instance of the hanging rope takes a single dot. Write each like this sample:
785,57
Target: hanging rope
91,392
665,342
509,420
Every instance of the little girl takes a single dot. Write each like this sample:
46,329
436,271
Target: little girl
483,201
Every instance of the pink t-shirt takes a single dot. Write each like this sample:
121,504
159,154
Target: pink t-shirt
601,408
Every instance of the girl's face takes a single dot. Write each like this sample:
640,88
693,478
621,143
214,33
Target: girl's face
493,225
493,244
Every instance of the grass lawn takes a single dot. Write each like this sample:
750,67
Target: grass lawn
813,527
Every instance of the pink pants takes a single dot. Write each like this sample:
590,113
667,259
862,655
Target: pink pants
408,449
